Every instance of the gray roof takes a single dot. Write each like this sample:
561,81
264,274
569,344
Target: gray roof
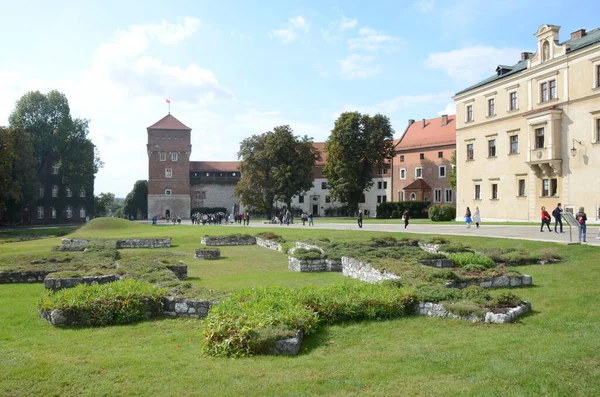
591,37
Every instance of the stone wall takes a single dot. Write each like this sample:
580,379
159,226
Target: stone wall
439,263
181,270
214,195
270,244
182,307
70,282
364,271
431,248
314,265
71,244
438,310
144,243
495,282
177,204
25,276
208,253
228,240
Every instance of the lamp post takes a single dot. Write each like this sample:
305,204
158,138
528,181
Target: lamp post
573,149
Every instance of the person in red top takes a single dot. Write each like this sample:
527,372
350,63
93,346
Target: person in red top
545,220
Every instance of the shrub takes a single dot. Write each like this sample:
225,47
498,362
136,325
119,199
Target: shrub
476,294
436,293
472,267
437,240
271,236
467,258
549,254
465,308
442,213
395,214
121,302
308,254
437,275
386,240
453,248
506,299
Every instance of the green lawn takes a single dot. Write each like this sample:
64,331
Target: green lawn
552,351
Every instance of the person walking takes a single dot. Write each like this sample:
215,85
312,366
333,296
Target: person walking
545,219
557,218
311,220
405,217
468,218
476,217
360,218
582,219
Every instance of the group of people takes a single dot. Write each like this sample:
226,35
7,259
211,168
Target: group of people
580,217
212,219
472,218
405,218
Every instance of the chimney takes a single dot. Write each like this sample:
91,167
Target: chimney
410,122
578,34
444,120
423,123
526,55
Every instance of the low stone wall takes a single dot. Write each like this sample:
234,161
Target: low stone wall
300,244
208,253
25,276
273,245
364,271
182,307
144,243
289,346
438,310
228,240
495,282
431,248
71,244
314,265
181,271
439,263
70,282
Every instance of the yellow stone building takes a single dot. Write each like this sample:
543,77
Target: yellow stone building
529,136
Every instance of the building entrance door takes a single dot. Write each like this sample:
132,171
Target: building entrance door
168,214
315,209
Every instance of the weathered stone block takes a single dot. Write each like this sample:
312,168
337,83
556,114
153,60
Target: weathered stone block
208,253
144,243
273,245
70,282
180,271
228,240
289,346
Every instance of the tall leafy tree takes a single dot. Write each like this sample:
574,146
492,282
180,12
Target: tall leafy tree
103,203
276,165
137,200
6,160
358,146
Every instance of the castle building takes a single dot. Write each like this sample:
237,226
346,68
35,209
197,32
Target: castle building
529,136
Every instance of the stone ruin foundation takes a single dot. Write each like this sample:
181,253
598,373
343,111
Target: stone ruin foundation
208,253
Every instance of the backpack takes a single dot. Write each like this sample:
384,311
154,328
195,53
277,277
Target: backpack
581,220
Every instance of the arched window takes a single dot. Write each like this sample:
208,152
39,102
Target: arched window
82,212
69,212
413,196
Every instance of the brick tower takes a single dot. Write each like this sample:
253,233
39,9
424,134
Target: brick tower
169,148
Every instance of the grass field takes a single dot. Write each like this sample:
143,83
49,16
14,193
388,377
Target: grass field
552,351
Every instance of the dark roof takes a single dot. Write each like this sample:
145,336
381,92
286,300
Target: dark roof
169,123
591,37
418,184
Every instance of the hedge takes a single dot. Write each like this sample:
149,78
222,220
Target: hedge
395,209
442,212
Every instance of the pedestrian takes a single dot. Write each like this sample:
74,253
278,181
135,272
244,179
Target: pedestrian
468,218
405,217
311,221
304,218
476,217
360,219
557,218
582,219
545,219
247,219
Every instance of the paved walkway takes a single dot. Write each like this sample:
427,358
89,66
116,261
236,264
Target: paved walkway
501,231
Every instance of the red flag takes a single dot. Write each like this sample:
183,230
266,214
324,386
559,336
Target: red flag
168,100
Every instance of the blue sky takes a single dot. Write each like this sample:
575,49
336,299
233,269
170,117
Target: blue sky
236,68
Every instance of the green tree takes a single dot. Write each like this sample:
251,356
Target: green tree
6,161
276,165
137,200
358,146
103,203
452,175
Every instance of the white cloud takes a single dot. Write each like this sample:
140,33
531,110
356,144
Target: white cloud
424,6
469,65
450,109
348,23
397,104
291,29
371,40
359,67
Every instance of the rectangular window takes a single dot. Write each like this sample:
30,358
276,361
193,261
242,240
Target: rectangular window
174,156
552,92
378,199
492,148
168,173
448,195
477,192
327,199
597,76
418,172
491,107
543,92
598,130
162,156
324,185
469,112
521,192
40,212
513,101
82,192
55,168
53,211
440,155
549,187
379,185
385,184
168,192
69,212
442,171
545,187
301,199
539,138
402,173
437,195
469,151
41,191
494,191
82,212
54,190
514,144
422,156
402,158
69,192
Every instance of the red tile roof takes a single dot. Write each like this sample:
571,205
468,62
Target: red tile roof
169,123
320,146
418,184
429,133
214,166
